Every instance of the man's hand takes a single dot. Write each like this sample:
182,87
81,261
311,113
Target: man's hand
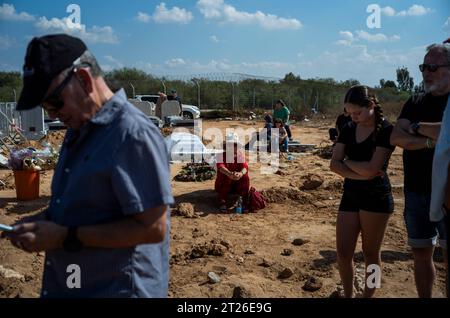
162,97
38,236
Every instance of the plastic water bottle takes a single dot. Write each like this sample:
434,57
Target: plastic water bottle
239,206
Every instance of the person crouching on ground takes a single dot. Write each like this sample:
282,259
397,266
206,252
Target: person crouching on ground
232,173
283,135
361,156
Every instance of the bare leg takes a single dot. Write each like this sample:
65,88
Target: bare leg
373,227
347,231
424,271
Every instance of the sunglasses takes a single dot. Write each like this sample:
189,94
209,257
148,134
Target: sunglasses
431,67
54,98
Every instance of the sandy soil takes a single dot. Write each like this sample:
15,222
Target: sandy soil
252,254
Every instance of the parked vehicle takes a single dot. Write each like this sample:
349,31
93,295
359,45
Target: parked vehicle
189,111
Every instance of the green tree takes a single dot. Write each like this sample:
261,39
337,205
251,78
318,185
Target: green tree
290,79
387,84
405,82
351,82
10,82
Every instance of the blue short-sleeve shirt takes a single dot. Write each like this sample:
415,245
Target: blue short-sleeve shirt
115,166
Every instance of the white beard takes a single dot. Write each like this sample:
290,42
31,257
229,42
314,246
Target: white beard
437,87
431,88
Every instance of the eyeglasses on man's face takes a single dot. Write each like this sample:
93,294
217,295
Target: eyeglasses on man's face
431,67
53,102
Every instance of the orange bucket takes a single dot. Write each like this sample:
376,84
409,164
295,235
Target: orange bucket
27,184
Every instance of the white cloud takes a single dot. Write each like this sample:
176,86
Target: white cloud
174,15
8,13
214,39
225,13
211,9
115,63
388,11
6,42
176,62
95,34
379,37
352,61
143,17
348,38
365,64
414,10
446,25
111,64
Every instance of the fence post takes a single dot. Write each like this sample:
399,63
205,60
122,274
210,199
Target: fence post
198,92
134,92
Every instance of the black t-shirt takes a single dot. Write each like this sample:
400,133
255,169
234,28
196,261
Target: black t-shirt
417,164
341,121
364,151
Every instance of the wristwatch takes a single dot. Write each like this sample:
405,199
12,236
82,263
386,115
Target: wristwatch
415,128
72,244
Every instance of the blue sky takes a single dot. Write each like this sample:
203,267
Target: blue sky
311,38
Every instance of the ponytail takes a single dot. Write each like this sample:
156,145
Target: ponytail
379,116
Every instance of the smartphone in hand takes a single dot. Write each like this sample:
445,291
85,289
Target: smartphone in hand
5,228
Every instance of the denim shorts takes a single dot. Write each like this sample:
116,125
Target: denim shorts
421,231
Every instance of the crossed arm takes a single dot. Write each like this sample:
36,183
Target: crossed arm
359,170
402,137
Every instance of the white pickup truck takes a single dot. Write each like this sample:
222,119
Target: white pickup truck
189,111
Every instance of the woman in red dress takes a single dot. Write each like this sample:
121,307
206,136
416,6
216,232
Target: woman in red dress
232,174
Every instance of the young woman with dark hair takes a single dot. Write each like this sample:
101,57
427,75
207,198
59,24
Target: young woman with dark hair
361,156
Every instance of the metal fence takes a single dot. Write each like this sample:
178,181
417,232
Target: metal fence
241,91
28,124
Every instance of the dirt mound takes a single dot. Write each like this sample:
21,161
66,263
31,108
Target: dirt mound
215,247
324,151
280,195
310,182
333,185
10,283
186,209
10,287
312,284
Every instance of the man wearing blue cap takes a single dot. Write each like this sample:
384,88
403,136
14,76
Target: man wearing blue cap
108,218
